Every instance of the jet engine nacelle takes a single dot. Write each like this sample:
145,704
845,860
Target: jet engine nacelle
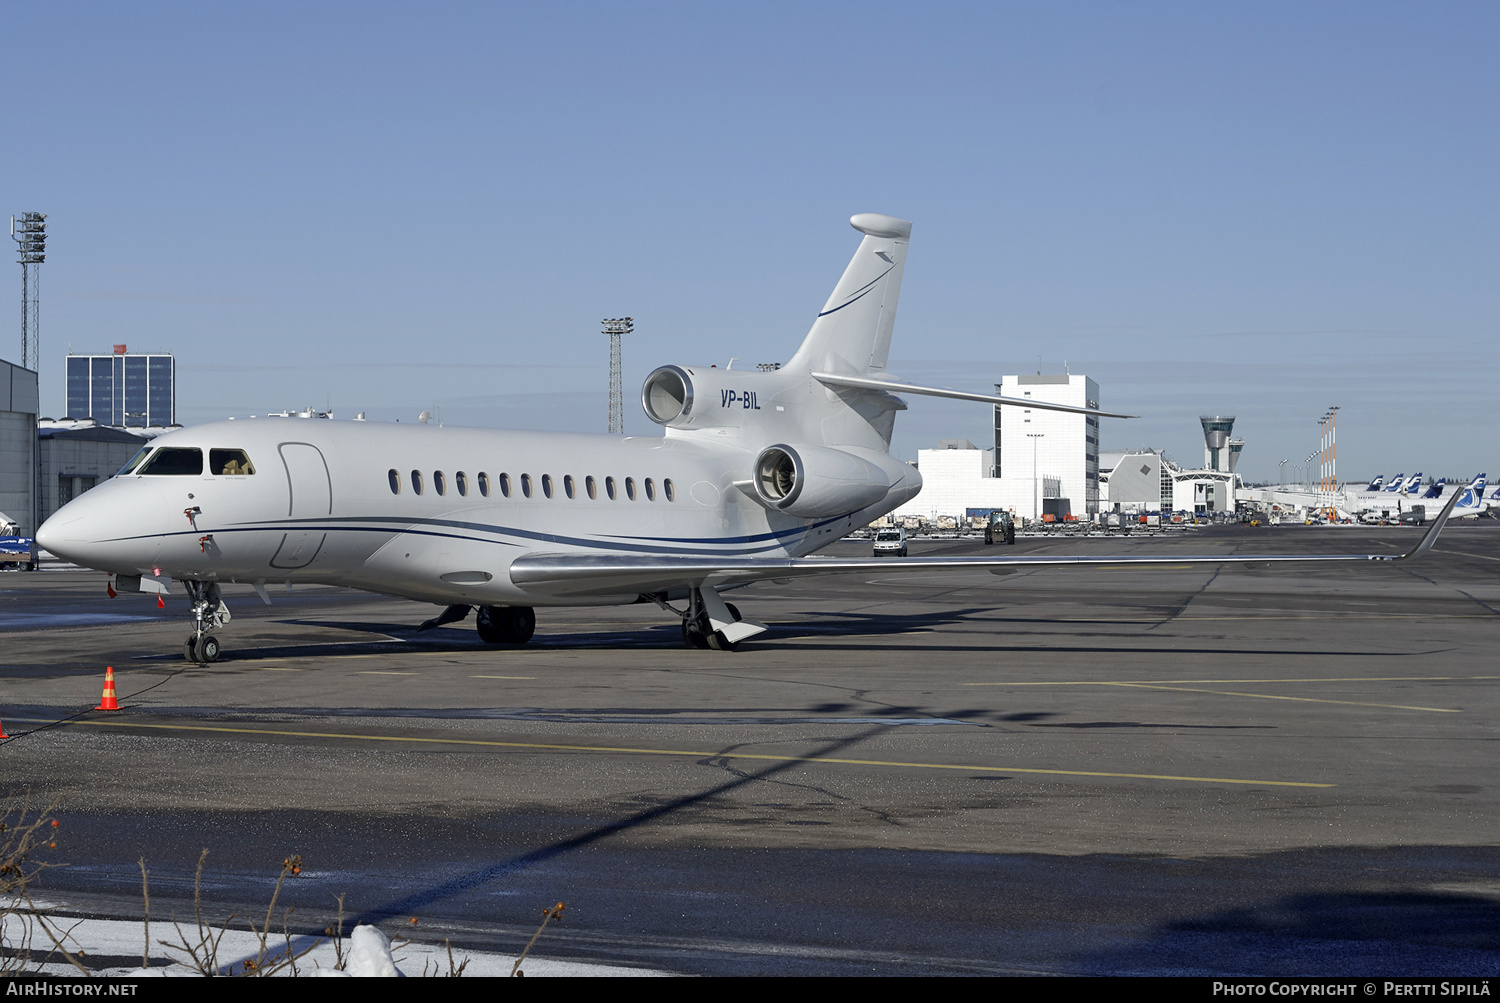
690,397
811,482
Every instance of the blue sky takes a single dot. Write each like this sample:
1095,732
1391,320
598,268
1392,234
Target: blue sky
1259,210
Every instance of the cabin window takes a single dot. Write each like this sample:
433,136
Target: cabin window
175,462
416,482
526,485
461,481
650,489
395,482
439,482
609,487
547,485
667,489
591,486
568,486
136,460
229,462
484,483
630,488
505,485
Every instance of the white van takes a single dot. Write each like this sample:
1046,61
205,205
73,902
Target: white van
890,542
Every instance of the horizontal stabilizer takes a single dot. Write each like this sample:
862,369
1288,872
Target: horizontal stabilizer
896,386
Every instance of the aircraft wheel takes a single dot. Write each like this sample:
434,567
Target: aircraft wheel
522,624
693,636
489,625
208,649
505,624
190,649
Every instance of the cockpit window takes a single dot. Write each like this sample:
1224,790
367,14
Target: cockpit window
232,462
135,461
175,461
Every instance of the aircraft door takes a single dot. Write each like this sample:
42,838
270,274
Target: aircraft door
311,497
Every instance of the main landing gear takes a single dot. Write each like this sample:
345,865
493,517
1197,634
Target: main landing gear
496,624
710,622
505,624
697,633
209,614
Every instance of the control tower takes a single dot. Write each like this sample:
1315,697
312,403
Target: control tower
1216,446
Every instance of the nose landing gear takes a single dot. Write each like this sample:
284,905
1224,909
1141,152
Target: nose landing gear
209,614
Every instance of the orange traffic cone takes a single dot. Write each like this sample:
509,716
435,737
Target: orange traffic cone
108,701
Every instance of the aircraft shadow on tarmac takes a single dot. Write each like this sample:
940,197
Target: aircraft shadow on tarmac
845,631
1348,933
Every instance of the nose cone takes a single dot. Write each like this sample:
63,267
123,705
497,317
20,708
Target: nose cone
103,529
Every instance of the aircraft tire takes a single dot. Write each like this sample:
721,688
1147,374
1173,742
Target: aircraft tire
692,636
208,649
489,625
190,649
505,624
521,624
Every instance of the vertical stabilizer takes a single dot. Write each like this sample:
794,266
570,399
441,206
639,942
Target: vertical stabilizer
1473,495
853,331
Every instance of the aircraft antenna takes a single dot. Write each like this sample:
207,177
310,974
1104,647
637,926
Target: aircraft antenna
29,231
614,327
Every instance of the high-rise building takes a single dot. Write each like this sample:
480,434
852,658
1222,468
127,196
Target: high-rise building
123,389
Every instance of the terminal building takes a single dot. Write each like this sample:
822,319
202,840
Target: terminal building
123,389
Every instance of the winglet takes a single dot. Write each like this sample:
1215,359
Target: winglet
1430,537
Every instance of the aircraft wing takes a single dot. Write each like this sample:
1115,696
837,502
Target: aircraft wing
620,574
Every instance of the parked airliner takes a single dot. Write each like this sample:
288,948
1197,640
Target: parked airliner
754,472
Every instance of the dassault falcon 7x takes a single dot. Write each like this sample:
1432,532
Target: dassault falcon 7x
755,472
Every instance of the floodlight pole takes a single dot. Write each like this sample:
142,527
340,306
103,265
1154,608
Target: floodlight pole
29,231
614,327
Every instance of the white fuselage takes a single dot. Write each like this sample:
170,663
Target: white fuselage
338,503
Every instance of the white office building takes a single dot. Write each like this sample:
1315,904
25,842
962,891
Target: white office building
1031,445
1043,462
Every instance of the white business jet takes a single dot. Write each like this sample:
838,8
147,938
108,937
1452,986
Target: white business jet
755,471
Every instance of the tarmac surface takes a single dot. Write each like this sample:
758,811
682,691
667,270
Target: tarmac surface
1279,771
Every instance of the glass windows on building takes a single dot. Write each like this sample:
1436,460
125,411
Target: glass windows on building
131,390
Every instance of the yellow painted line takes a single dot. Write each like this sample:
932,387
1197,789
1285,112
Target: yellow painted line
276,668
1464,553
694,753
380,672
1272,696
1224,682
502,677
